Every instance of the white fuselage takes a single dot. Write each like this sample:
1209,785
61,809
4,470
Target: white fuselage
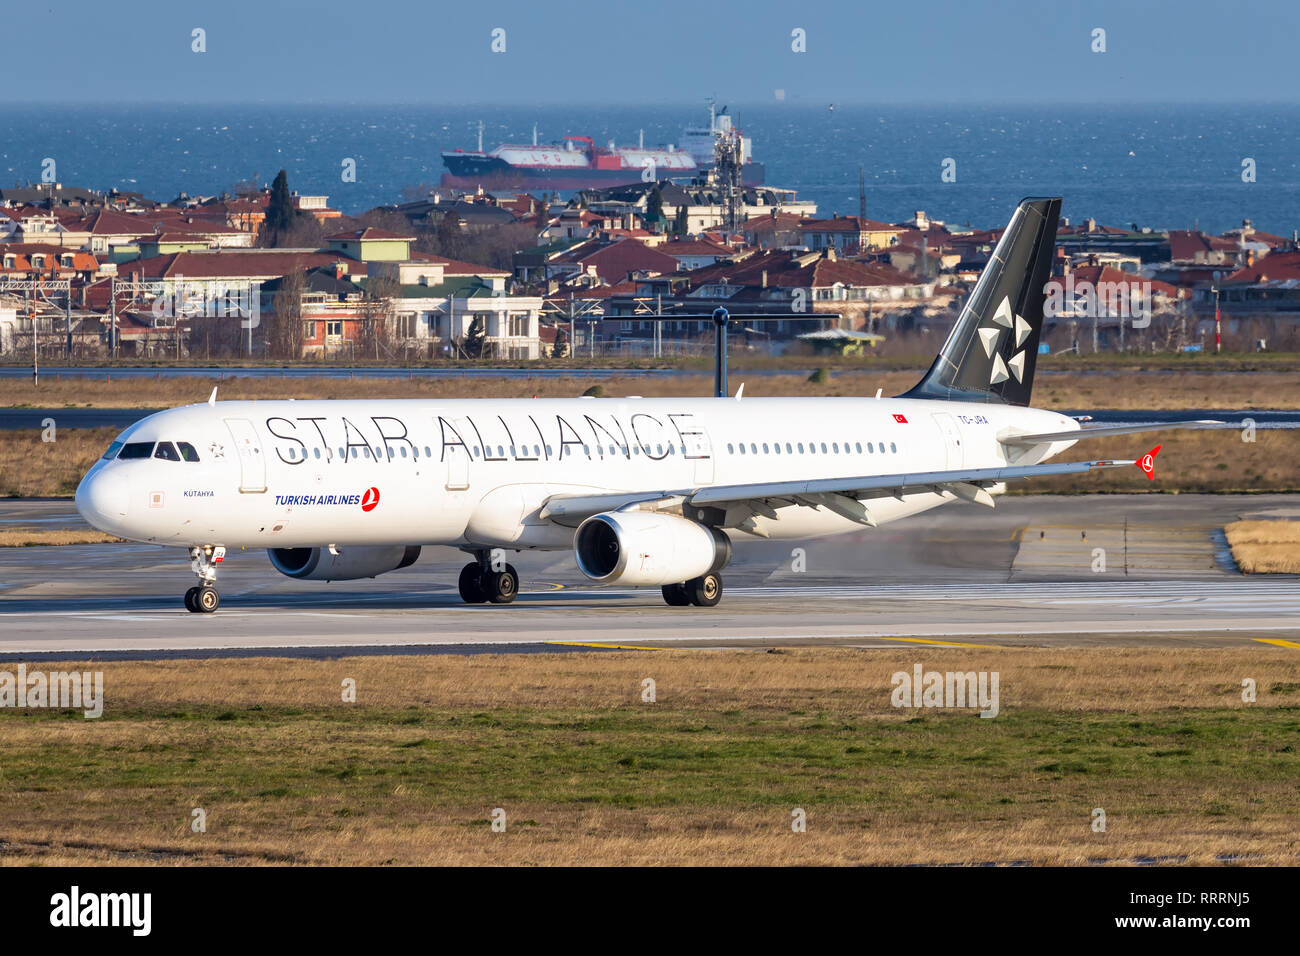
475,473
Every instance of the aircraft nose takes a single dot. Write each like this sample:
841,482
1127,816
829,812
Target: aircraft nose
102,498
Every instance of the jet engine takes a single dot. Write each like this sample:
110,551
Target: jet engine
642,547
349,564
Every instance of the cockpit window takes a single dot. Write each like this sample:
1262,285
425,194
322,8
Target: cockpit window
167,452
113,449
135,449
187,451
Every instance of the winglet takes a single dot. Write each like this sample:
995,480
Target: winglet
212,399
1148,463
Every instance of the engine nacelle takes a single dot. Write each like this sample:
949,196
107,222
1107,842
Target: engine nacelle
351,563
642,547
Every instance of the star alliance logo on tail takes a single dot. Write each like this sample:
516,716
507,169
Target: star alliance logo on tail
991,337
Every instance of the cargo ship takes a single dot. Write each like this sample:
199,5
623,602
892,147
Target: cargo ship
576,162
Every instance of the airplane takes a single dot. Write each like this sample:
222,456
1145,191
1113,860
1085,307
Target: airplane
643,491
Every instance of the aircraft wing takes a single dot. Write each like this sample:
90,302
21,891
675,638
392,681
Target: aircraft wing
1101,431
840,495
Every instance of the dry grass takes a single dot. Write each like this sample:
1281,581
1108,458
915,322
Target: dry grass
31,468
1265,547
709,774
42,537
1106,389
1189,461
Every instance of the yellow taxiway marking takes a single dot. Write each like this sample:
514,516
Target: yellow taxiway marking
1276,640
616,647
923,640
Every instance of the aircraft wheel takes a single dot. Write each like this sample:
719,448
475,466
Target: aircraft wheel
502,586
207,600
675,595
471,584
705,591
189,600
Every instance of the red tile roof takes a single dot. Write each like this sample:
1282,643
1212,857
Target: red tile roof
1276,266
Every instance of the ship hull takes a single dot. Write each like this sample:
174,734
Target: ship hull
471,173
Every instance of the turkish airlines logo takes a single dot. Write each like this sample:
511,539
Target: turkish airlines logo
370,500
901,419
1148,463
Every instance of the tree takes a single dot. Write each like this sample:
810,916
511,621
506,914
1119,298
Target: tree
280,212
475,337
284,337
561,347
376,309
654,208
681,225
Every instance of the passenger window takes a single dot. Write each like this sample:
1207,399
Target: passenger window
167,452
753,448
870,448
427,452
812,448
742,449
765,451
187,451
801,448
893,447
403,450
548,451
823,448
882,447
476,451
776,447
788,450
315,451
136,449
858,446
836,448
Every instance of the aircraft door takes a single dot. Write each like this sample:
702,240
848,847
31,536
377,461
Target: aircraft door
252,463
457,457
951,439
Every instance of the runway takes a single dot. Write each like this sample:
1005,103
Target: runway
1025,574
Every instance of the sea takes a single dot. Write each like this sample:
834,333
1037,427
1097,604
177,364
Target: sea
1163,167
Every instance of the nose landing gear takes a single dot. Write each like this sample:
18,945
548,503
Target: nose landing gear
488,580
203,597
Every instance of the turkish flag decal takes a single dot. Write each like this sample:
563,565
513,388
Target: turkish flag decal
370,500
902,419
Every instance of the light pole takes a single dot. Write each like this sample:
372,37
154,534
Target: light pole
1218,325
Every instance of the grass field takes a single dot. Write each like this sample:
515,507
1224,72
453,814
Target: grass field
1265,547
710,773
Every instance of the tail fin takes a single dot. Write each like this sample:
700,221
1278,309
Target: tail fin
992,350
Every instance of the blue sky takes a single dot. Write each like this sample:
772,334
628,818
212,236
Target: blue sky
657,51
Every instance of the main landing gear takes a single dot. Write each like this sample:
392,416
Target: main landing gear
704,591
203,597
484,581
